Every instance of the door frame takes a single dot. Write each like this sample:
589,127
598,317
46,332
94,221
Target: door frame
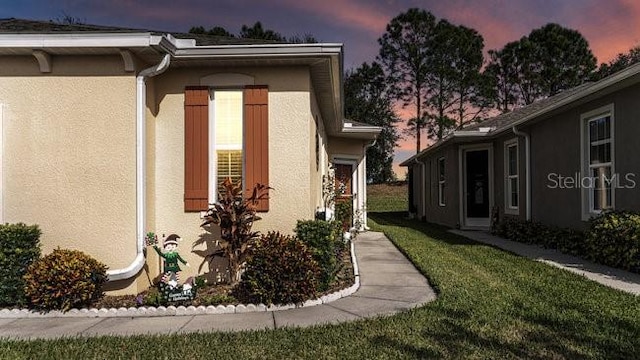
474,223
356,193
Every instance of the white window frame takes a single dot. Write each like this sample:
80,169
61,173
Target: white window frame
442,179
585,150
508,206
212,147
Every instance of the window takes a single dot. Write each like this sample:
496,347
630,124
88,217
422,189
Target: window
512,193
598,161
226,149
226,135
441,181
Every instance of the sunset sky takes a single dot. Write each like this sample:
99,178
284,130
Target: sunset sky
610,26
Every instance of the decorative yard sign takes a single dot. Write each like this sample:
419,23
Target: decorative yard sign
169,288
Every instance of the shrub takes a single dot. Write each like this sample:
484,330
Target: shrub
344,212
322,238
614,239
64,279
532,232
280,270
19,247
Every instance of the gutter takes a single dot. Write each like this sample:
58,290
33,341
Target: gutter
527,175
141,171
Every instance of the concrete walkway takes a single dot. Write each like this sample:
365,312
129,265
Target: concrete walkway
389,284
615,278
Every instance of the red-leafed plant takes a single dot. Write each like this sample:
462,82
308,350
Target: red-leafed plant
235,214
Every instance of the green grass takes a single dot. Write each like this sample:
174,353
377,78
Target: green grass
387,197
491,304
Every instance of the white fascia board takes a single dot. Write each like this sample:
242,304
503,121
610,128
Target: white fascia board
451,137
262,50
470,133
35,41
361,130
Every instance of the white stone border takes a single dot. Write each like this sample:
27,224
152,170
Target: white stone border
186,310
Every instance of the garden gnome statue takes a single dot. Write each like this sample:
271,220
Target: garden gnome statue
171,258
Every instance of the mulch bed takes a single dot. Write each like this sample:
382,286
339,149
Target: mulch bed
220,294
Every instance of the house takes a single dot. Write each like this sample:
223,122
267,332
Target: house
559,161
108,133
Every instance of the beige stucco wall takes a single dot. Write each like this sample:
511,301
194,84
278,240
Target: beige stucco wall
345,146
70,164
69,153
289,132
319,163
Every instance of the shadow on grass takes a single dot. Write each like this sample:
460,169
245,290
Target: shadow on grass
507,307
435,231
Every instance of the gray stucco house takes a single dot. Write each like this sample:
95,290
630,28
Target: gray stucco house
559,161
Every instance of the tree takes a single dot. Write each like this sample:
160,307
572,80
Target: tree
453,78
501,87
258,32
549,60
622,61
562,57
255,32
215,31
368,100
405,54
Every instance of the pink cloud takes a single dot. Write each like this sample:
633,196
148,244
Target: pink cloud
362,16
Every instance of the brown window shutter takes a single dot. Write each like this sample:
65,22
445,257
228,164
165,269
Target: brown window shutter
196,148
256,140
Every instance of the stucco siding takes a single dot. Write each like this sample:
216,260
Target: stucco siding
289,135
555,147
426,187
69,153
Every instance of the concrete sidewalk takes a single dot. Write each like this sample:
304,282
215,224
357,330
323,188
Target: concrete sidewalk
389,283
615,278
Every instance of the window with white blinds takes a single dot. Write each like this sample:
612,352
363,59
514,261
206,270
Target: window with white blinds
227,119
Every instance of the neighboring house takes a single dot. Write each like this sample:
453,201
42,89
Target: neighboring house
108,133
559,161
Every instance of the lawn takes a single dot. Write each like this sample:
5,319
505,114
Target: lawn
491,304
382,197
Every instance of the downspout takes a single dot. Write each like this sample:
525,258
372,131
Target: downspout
527,170
364,196
141,171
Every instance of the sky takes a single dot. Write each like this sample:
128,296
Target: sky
610,26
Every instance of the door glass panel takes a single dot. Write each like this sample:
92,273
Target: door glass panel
477,183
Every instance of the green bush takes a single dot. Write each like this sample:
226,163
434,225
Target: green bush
532,232
19,247
344,213
280,270
64,279
614,239
322,238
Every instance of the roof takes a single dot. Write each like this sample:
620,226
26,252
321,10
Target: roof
26,37
540,109
24,26
504,120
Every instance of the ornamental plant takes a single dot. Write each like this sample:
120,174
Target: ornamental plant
280,270
19,247
614,239
324,239
235,215
63,280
